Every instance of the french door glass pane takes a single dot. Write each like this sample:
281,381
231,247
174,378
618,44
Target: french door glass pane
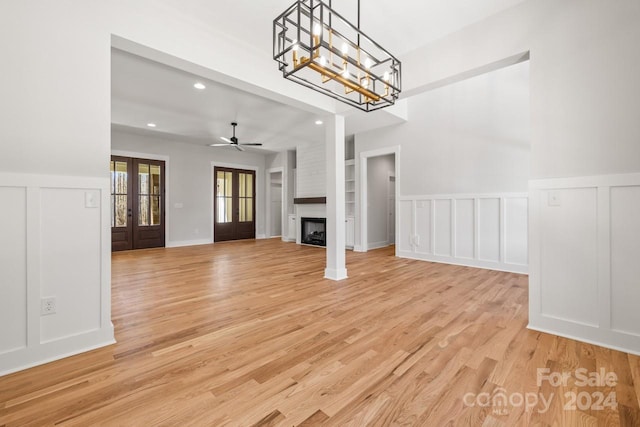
224,192
143,179
220,209
121,211
223,208
143,210
243,212
249,209
155,210
120,178
118,194
245,193
155,180
249,191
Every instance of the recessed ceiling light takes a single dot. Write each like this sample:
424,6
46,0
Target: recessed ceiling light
318,122
151,125
199,85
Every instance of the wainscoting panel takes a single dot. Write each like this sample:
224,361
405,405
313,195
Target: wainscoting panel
442,228
584,251
405,224
515,233
54,242
625,259
13,269
477,230
464,228
489,230
423,226
569,233
61,235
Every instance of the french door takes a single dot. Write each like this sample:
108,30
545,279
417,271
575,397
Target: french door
234,207
137,203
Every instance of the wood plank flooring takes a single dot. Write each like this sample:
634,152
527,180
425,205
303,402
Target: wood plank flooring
249,333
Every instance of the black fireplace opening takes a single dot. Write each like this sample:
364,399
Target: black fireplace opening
313,231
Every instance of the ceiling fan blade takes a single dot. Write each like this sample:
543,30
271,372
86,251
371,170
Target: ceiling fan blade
226,139
219,145
255,144
238,147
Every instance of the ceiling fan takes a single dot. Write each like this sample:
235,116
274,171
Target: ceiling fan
233,141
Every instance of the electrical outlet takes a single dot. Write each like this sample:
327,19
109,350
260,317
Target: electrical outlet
47,306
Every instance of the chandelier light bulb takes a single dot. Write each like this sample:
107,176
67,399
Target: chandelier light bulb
345,73
323,61
295,45
345,49
367,63
317,29
385,77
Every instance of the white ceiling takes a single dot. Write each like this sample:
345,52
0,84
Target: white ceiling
399,26
144,91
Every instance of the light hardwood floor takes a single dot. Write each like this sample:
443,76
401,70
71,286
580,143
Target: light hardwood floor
248,333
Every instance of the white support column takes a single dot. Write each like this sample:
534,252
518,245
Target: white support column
336,268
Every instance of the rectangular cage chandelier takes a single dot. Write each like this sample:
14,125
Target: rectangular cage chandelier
318,48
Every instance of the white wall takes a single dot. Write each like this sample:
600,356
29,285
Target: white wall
584,64
274,180
470,138
378,171
311,170
190,186
291,180
585,100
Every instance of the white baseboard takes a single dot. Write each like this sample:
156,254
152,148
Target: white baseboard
181,243
605,344
485,265
378,245
42,353
335,274
261,236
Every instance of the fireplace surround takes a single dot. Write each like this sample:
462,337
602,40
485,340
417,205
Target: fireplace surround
313,231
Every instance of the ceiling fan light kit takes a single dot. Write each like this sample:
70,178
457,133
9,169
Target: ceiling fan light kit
318,48
234,142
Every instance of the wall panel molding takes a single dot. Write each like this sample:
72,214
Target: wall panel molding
584,250
62,249
476,230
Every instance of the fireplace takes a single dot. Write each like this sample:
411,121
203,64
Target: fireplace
312,231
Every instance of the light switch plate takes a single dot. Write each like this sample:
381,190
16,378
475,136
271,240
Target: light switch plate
554,198
91,199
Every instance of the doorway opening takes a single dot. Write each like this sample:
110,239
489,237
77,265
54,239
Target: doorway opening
137,203
379,172
234,206
275,202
